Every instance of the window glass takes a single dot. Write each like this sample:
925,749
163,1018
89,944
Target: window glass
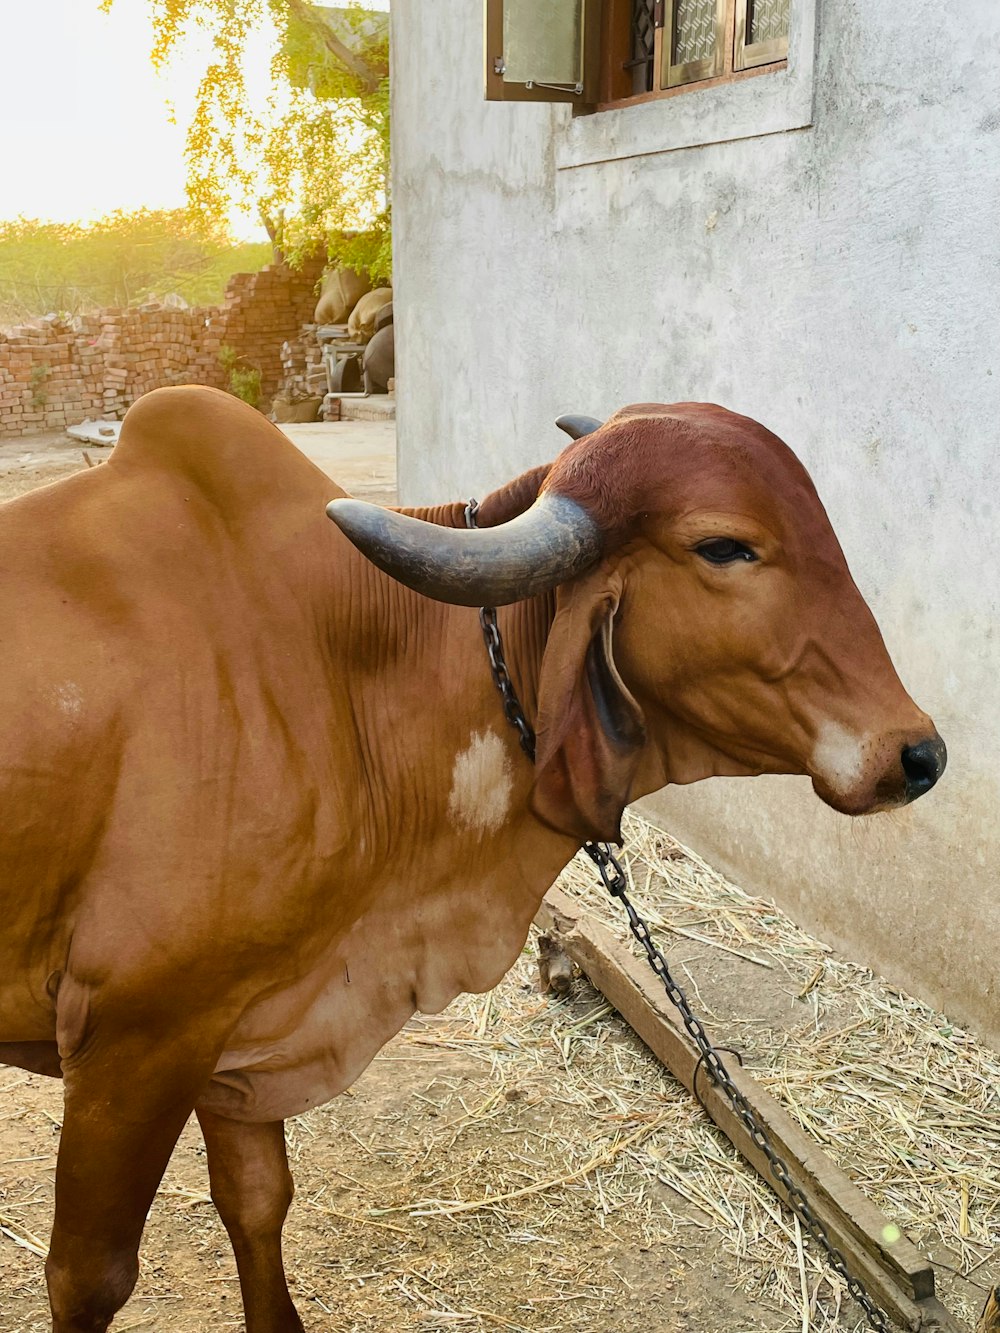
767,20
543,43
695,31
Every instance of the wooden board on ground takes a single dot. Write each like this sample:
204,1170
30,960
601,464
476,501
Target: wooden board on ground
874,1247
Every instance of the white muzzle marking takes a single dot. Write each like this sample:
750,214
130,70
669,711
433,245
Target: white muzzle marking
838,757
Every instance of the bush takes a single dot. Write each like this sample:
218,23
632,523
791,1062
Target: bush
244,380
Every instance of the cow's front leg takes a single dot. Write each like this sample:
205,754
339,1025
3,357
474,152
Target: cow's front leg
127,1096
252,1189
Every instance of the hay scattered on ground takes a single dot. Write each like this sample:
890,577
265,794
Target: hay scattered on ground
900,1097
896,1094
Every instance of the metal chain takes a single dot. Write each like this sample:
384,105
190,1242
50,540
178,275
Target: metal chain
512,710
615,880
511,707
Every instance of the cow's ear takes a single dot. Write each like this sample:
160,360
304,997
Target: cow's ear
590,729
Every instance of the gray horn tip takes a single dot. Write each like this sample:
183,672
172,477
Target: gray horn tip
575,425
341,510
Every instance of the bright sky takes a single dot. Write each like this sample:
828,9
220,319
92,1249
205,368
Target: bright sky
84,119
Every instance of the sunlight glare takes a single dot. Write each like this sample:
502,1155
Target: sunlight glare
88,126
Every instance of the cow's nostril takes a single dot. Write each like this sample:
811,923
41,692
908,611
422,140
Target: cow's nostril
923,764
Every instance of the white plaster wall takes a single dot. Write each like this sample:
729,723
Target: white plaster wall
841,283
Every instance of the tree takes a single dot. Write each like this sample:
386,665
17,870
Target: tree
119,260
313,161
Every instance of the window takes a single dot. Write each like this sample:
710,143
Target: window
599,52
542,52
761,32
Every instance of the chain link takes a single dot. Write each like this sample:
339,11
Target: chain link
615,880
512,710
511,706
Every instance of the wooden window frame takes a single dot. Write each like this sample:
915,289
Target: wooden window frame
616,50
613,88
606,82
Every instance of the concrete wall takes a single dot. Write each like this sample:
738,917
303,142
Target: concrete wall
829,264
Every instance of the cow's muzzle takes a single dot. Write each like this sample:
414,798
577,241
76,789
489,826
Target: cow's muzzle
859,775
923,764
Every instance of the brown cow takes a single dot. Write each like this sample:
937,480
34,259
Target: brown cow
259,799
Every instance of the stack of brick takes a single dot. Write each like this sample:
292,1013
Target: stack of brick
146,348
260,312
303,374
41,377
55,371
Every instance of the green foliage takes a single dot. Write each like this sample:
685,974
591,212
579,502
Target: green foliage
369,250
124,259
313,64
244,379
314,161
244,382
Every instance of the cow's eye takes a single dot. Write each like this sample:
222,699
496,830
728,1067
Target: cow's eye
724,550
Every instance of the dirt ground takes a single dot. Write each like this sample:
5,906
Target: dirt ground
36,460
439,1114
523,1163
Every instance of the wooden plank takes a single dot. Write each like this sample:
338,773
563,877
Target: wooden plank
891,1268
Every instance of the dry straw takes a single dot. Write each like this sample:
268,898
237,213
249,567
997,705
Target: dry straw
901,1098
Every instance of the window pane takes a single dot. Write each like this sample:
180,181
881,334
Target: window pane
694,30
767,20
543,43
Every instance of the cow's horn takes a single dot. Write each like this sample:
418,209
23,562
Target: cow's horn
546,545
575,426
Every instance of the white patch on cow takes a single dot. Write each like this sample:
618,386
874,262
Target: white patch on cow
69,698
481,784
838,757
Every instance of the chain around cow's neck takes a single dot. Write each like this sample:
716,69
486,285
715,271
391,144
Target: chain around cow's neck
616,882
